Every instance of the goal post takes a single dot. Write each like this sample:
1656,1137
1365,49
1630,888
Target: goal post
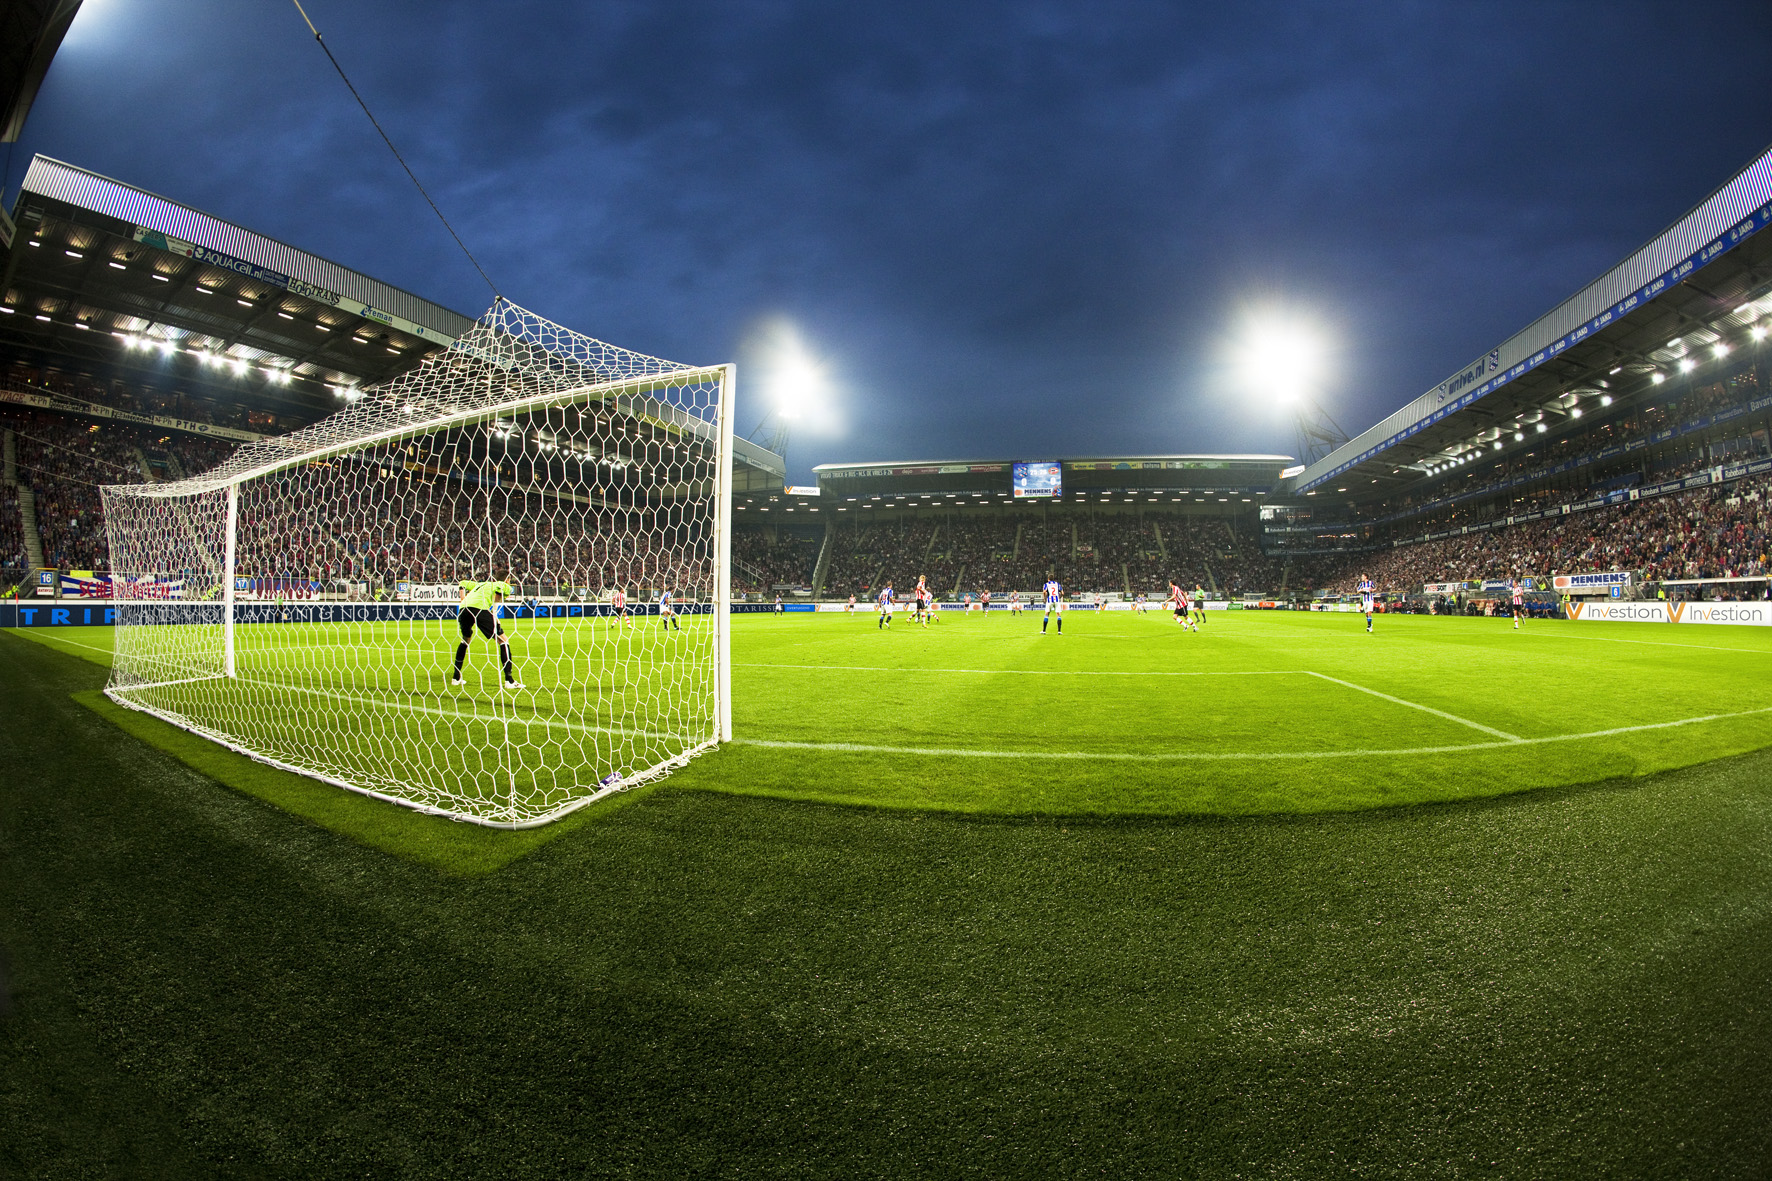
303,603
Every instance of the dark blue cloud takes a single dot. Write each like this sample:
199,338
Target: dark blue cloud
1011,229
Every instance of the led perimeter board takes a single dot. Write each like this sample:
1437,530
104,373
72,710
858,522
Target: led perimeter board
1038,480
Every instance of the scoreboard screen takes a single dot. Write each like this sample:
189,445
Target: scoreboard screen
1037,480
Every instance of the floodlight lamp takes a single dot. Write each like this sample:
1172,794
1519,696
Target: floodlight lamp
1280,355
1758,333
1605,399
1686,365
1574,412
1719,349
1657,378
1519,437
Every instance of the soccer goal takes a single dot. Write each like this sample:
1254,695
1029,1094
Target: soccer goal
302,604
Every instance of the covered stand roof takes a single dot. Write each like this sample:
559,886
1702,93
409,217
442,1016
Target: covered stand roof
107,273
1687,288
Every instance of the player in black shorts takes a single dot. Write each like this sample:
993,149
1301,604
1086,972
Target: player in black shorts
479,609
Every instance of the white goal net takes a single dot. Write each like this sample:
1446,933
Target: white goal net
303,603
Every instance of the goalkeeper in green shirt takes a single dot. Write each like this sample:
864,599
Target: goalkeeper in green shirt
479,608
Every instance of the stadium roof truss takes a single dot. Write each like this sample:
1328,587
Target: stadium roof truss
1686,298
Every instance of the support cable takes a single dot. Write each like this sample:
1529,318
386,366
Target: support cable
384,138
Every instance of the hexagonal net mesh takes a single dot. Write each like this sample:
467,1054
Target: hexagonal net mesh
492,588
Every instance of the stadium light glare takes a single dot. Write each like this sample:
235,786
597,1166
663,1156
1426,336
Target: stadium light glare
1539,428
1280,355
1758,333
1657,378
1686,365
1605,399
1519,437
1719,350
1574,412
795,379
1498,444
119,266
1615,370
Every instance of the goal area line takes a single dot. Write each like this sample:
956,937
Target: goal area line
626,783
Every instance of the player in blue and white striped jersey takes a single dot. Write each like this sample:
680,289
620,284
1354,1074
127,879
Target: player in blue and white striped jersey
1054,606
1367,590
885,601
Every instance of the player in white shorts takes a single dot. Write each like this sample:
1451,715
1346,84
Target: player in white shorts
850,609
1367,590
1519,603
1015,602
885,607
1054,606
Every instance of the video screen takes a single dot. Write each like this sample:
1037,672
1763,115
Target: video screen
1040,480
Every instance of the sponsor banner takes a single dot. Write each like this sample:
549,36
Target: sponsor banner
68,615
228,262
1754,614
68,405
1442,588
1589,584
805,489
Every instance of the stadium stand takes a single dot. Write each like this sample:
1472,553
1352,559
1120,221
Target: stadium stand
761,562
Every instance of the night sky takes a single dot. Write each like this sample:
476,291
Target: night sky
1006,231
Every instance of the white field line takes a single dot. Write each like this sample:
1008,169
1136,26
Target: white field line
458,715
55,639
1426,709
1225,756
1031,672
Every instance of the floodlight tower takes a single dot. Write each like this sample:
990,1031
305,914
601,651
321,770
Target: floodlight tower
1318,434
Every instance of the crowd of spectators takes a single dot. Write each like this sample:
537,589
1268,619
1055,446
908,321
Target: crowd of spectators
351,529
1089,553
64,460
14,560
761,564
1710,532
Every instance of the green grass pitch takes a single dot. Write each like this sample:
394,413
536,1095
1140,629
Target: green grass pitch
1120,714
1014,963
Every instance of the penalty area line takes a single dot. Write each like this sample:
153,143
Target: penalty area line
1426,709
1226,756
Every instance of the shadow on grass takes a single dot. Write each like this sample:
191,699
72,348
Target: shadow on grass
449,846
